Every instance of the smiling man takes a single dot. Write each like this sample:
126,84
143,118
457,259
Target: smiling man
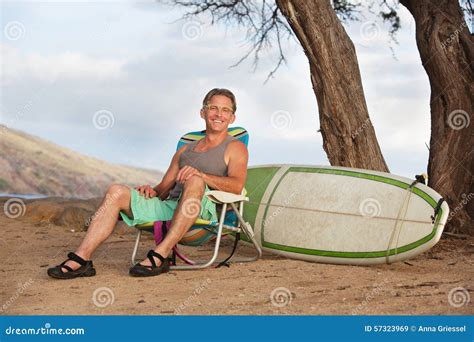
218,161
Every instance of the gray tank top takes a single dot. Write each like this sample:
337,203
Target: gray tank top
211,162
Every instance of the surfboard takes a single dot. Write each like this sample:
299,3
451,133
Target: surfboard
341,215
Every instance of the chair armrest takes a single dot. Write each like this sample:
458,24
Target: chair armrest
225,197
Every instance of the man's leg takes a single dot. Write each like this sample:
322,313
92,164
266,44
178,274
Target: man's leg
103,221
185,215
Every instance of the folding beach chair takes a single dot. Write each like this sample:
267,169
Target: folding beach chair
230,209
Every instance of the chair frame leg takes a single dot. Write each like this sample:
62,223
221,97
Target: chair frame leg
250,234
247,229
135,247
216,247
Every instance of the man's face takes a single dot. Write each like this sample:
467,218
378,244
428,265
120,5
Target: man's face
218,113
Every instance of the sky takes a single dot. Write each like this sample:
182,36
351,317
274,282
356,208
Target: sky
123,80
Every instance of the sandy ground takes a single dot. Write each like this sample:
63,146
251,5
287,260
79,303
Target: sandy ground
29,246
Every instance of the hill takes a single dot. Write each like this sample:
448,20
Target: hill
31,165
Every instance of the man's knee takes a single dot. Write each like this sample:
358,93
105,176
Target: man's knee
195,182
119,193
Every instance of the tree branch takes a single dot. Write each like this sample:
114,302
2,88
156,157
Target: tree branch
265,24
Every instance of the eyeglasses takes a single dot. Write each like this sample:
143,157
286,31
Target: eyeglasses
215,108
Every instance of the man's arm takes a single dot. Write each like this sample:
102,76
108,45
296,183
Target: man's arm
236,171
169,179
167,183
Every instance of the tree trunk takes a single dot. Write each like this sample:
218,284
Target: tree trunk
447,53
348,135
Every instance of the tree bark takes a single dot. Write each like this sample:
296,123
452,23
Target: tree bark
447,52
348,135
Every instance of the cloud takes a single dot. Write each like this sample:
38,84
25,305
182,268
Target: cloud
67,65
130,61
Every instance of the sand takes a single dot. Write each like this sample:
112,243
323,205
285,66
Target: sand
29,244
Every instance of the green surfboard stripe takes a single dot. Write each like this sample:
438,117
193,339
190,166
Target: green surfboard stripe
377,178
256,185
376,254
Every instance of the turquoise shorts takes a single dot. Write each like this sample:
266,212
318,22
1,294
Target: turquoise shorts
154,209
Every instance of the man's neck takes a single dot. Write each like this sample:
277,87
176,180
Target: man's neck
214,138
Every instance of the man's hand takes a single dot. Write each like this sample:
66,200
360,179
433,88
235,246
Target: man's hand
186,172
146,191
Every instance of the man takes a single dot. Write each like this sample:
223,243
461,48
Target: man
218,161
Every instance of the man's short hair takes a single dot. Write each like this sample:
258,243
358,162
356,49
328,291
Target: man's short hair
220,91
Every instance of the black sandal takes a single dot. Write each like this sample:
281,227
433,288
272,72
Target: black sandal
86,269
140,270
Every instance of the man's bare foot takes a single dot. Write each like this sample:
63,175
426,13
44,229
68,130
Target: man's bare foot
72,264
